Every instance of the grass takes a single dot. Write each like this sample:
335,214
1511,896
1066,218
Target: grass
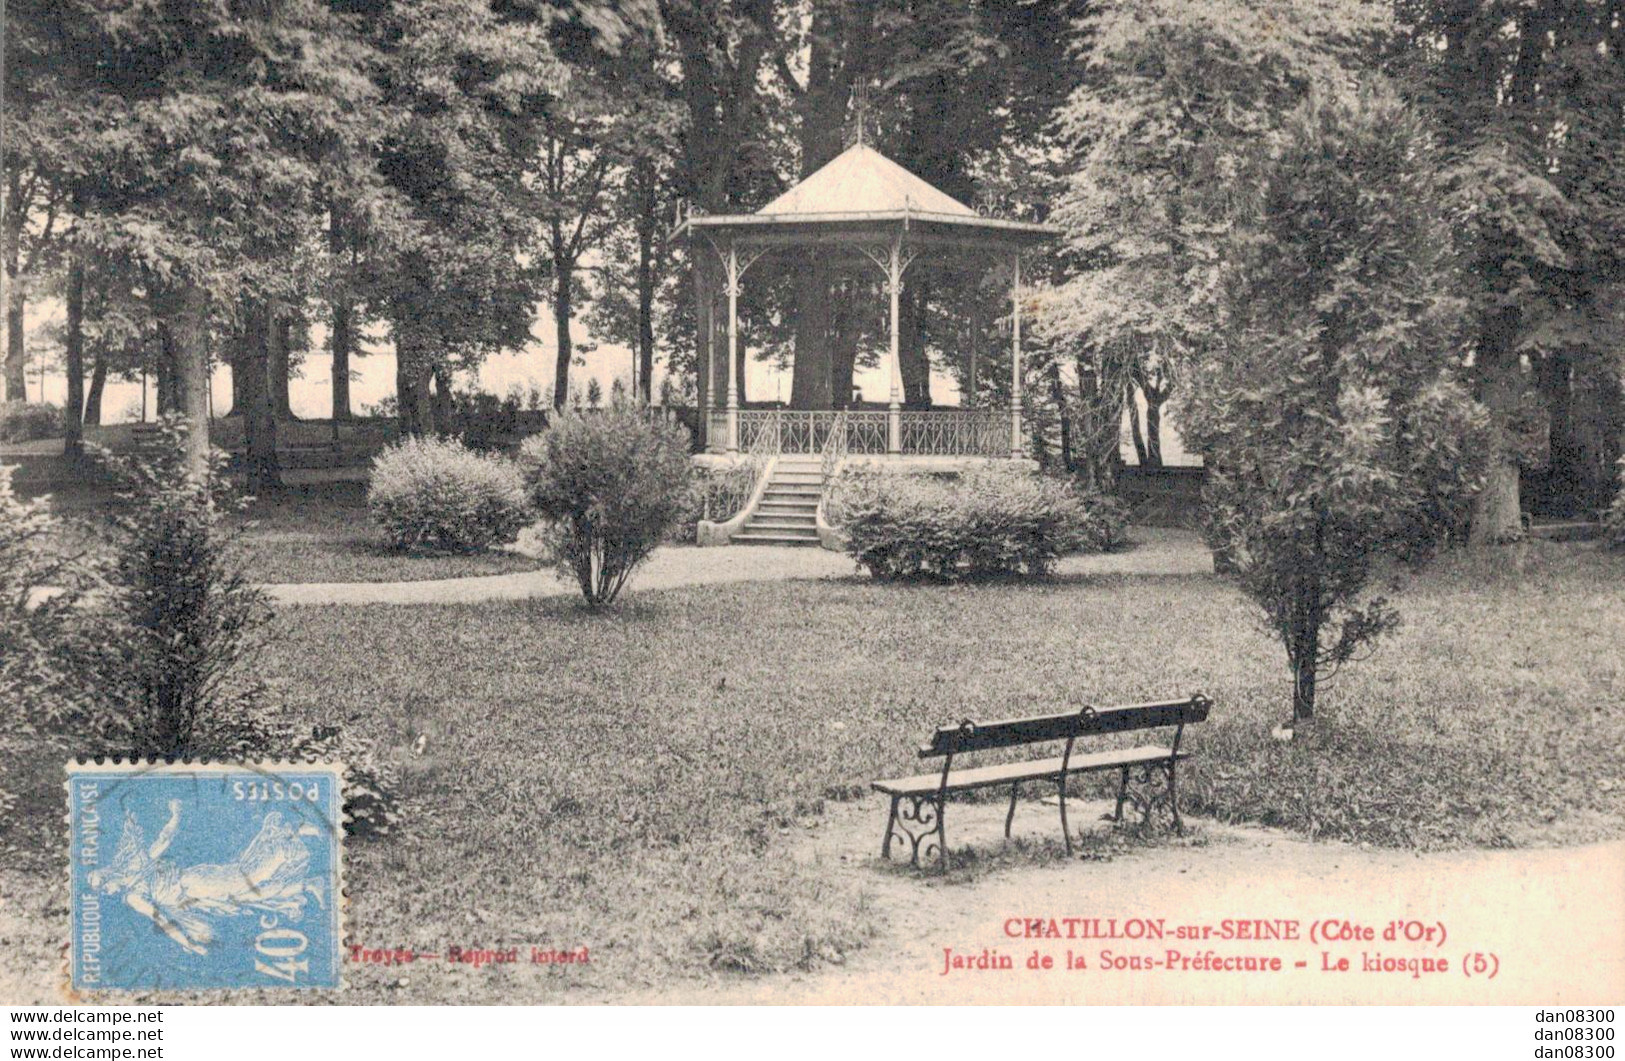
313,533
631,781
320,533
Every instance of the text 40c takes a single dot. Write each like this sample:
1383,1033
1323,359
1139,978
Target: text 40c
268,791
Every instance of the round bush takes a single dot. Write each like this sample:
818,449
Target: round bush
437,494
988,522
609,485
28,421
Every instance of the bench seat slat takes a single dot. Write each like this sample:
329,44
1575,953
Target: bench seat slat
1033,770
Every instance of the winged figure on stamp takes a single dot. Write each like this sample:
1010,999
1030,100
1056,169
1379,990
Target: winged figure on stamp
270,875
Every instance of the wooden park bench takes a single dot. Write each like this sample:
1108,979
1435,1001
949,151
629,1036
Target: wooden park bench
922,819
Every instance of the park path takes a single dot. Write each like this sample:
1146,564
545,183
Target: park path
1156,552
1552,919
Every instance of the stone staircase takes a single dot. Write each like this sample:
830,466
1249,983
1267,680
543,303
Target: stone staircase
787,514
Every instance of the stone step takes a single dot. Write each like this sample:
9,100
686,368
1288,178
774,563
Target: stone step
775,538
788,508
778,523
792,490
1573,531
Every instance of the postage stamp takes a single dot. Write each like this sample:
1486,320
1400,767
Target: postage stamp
194,876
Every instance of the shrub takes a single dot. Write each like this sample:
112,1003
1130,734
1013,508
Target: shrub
39,683
181,618
484,421
608,486
438,494
371,782
27,421
987,522
1613,520
1328,406
1105,523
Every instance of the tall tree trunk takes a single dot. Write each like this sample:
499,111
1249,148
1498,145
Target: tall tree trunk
340,336
1153,431
1057,394
163,372
279,337
411,373
1497,514
16,363
93,397
422,377
563,292
647,220
810,374
261,463
1565,473
442,398
821,112
1138,435
914,362
843,342
73,405
16,346
185,313
239,391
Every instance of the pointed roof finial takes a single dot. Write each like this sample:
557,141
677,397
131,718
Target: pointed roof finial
860,113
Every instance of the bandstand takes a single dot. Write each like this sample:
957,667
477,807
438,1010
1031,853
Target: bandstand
864,207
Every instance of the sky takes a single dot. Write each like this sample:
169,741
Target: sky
310,392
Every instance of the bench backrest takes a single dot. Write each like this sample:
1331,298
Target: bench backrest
972,736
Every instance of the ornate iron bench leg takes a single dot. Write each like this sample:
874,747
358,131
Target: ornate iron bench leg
1011,816
1122,795
1173,797
1066,831
919,821
942,834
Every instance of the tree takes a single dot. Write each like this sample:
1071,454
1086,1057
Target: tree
1170,99
183,145
1528,96
29,232
1152,376
582,152
1330,409
184,619
636,292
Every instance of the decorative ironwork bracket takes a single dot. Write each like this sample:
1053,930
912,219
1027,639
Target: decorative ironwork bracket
1150,789
890,256
920,823
735,264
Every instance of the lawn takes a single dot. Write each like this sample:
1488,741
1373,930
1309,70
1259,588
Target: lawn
317,532
320,533
632,781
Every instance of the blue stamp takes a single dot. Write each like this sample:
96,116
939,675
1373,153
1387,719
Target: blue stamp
196,876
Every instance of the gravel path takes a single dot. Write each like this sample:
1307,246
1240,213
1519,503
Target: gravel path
1156,552
1552,919
666,569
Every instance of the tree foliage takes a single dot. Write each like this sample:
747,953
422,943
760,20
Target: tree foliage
183,619
1528,98
1330,406
609,485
